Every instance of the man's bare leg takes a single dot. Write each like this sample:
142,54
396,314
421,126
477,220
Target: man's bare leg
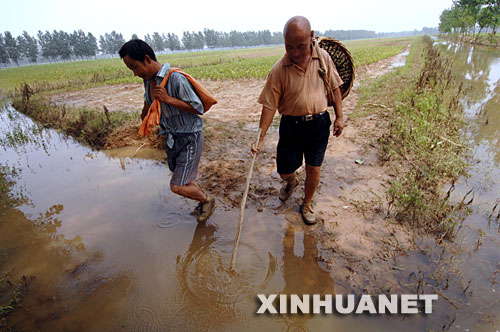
310,186
190,190
193,191
311,182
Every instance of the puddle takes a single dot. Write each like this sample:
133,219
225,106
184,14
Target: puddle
400,59
125,242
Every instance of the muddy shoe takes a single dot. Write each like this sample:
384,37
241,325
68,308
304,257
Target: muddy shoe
197,210
207,208
308,214
287,189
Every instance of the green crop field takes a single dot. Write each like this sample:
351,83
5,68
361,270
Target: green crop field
247,63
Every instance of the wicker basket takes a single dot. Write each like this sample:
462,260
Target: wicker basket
342,59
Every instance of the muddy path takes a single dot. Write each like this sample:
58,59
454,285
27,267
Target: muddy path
359,245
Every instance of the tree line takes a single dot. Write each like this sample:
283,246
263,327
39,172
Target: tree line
367,34
62,46
465,16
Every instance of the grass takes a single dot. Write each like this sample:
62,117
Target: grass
424,140
215,65
87,126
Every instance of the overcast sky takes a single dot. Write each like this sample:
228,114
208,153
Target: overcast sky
142,17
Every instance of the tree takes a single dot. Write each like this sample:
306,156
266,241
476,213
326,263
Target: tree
22,46
471,11
148,39
199,40
4,57
27,46
90,45
445,21
236,38
134,36
493,10
83,45
111,42
157,42
465,15
267,37
210,38
11,47
173,42
188,40
78,41
62,44
278,38
43,44
31,48
223,39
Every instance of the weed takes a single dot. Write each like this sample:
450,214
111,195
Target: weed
423,138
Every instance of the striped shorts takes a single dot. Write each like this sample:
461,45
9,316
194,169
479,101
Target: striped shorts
184,157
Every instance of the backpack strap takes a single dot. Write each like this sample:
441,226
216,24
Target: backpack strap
207,99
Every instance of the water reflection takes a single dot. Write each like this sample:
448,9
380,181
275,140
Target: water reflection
302,273
218,296
63,276
301,269
480,70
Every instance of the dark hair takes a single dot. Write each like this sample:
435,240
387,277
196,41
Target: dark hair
137,49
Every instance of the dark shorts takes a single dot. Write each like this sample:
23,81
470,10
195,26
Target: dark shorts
184,157
300,140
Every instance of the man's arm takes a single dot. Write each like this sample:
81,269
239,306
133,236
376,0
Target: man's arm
160,93
266,118
338,124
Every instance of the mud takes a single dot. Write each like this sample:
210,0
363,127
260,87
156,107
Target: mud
357,241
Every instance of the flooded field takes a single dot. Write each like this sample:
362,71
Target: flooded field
99,243
466,273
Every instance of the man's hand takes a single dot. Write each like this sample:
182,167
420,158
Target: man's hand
253,149
160,93
338,126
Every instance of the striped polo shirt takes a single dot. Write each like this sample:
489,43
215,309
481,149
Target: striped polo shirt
173,120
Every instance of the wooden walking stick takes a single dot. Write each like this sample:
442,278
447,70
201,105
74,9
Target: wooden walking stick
243,203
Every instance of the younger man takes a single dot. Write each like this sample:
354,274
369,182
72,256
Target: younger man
180,120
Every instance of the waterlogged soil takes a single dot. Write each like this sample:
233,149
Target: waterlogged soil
358,244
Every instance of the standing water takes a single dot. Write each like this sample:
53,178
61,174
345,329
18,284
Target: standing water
103,245
466,272
478,261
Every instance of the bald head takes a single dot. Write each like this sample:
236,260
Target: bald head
298,40
297,23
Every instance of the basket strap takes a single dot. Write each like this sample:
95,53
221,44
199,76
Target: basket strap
323,72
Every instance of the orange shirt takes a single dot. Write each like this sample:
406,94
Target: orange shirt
296,92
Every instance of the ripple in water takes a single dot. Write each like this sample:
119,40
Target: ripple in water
204,271
143,316
173,218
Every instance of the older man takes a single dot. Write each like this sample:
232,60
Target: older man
296,89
